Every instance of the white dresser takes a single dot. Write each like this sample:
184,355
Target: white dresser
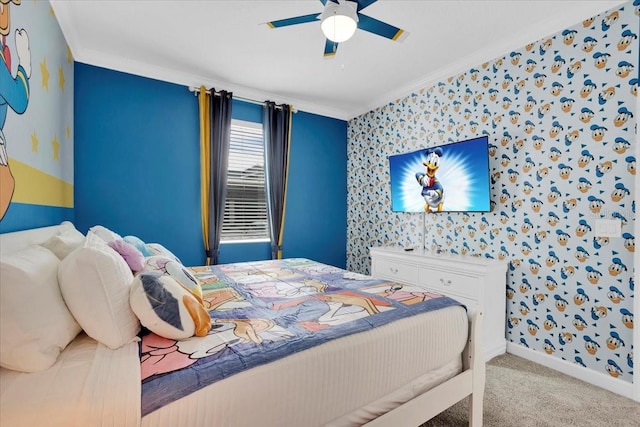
474,281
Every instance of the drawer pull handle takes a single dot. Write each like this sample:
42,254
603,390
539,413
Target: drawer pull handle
447,283
393,270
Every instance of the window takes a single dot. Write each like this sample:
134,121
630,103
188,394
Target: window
245,210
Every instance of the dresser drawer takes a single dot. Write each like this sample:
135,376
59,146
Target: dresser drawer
450,283
478,283
391,269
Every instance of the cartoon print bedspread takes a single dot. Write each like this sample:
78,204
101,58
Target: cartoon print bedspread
265,310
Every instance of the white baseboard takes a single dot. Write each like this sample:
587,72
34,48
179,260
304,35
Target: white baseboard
496,350
587,375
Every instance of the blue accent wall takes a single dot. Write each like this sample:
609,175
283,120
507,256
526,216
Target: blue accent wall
22,216
136,157
137,169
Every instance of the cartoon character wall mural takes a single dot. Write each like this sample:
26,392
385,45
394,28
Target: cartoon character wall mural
14,93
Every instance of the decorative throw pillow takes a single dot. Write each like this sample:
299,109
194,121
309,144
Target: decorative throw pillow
158,249
36,324
156,263
95,283
104,233
166,308
62,244
139,244
132,256
185,278
166,265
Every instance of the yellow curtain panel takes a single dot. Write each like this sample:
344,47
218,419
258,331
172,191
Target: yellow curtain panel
205,165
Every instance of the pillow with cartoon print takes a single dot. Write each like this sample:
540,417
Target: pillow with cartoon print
180,273
167,308
156,263
166,265
158,249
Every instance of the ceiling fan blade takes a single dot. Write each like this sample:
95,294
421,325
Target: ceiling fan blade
294,21
330,49
380,28
365,3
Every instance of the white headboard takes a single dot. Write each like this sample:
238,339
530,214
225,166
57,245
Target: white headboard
16,240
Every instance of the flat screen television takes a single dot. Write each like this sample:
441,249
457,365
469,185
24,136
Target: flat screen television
446,178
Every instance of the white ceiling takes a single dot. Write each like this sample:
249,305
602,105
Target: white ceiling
226,45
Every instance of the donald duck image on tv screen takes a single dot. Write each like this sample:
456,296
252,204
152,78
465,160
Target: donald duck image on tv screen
432,190
447,178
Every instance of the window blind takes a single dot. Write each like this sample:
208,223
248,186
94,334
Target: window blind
245,211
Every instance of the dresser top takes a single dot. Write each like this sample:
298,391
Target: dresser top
417,253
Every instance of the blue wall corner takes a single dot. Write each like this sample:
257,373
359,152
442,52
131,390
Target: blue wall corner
316,211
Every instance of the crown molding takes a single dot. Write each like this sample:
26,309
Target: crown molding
496,50
163,73
190,80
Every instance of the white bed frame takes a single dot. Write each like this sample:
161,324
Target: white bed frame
470,382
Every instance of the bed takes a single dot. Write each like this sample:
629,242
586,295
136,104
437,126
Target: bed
402,372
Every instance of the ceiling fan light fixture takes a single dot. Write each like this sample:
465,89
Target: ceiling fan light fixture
339,20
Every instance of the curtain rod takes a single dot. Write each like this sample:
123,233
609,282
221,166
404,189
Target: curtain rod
196,90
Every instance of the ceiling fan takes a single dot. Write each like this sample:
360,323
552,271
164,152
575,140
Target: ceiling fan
339,21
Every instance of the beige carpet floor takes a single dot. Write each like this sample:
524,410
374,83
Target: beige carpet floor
520,393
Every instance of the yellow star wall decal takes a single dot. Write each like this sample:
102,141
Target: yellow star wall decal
61,78
69,55
45,74
68,132
34,142
56,148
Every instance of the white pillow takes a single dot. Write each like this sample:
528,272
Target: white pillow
95,283
62,244
104,233
35,324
